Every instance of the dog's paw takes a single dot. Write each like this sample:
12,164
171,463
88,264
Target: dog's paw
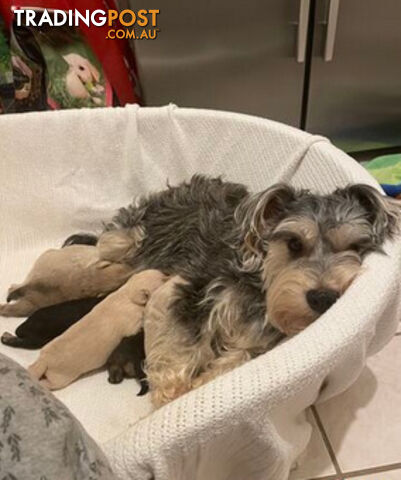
14,292
116,374
80,239
38,368
144,388
8,338
7,310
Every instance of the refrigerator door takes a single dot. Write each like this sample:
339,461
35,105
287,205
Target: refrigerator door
355,83
232,55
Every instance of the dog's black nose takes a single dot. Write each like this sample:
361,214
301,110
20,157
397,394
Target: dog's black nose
321,300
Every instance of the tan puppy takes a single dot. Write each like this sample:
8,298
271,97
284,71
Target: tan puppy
87,345
59,275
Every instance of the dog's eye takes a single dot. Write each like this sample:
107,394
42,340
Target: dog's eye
295,245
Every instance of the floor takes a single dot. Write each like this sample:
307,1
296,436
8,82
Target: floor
357,435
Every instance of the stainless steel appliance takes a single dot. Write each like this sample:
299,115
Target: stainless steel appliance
355,80
329,66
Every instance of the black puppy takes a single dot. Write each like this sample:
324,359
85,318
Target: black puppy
48,323
126,361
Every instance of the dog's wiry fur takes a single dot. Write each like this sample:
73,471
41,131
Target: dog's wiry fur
60,275
331,235
251,268
246,270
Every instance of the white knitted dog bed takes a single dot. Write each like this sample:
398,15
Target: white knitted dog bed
63,172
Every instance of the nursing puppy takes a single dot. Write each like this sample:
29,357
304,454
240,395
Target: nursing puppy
127,361
59,275
88,344
48,323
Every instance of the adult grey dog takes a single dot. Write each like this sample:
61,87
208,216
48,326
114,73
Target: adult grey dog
247,268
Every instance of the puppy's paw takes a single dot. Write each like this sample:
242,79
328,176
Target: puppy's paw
46,384
7,310
80,239
19,308
8,339
38,368
144,388
129,369
14,292
116,374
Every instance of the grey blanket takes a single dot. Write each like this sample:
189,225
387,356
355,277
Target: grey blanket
39,438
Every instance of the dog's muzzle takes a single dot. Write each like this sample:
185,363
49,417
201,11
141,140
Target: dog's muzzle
321,300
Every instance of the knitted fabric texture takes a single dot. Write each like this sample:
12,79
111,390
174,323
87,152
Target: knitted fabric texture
67,171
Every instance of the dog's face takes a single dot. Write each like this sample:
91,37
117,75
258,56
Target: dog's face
312,246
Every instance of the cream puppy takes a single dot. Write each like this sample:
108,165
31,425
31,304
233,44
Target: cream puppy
59,275
88,344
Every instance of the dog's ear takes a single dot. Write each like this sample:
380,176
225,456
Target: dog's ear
383,212
260,213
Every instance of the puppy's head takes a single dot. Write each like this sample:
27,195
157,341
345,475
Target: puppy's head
311,246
